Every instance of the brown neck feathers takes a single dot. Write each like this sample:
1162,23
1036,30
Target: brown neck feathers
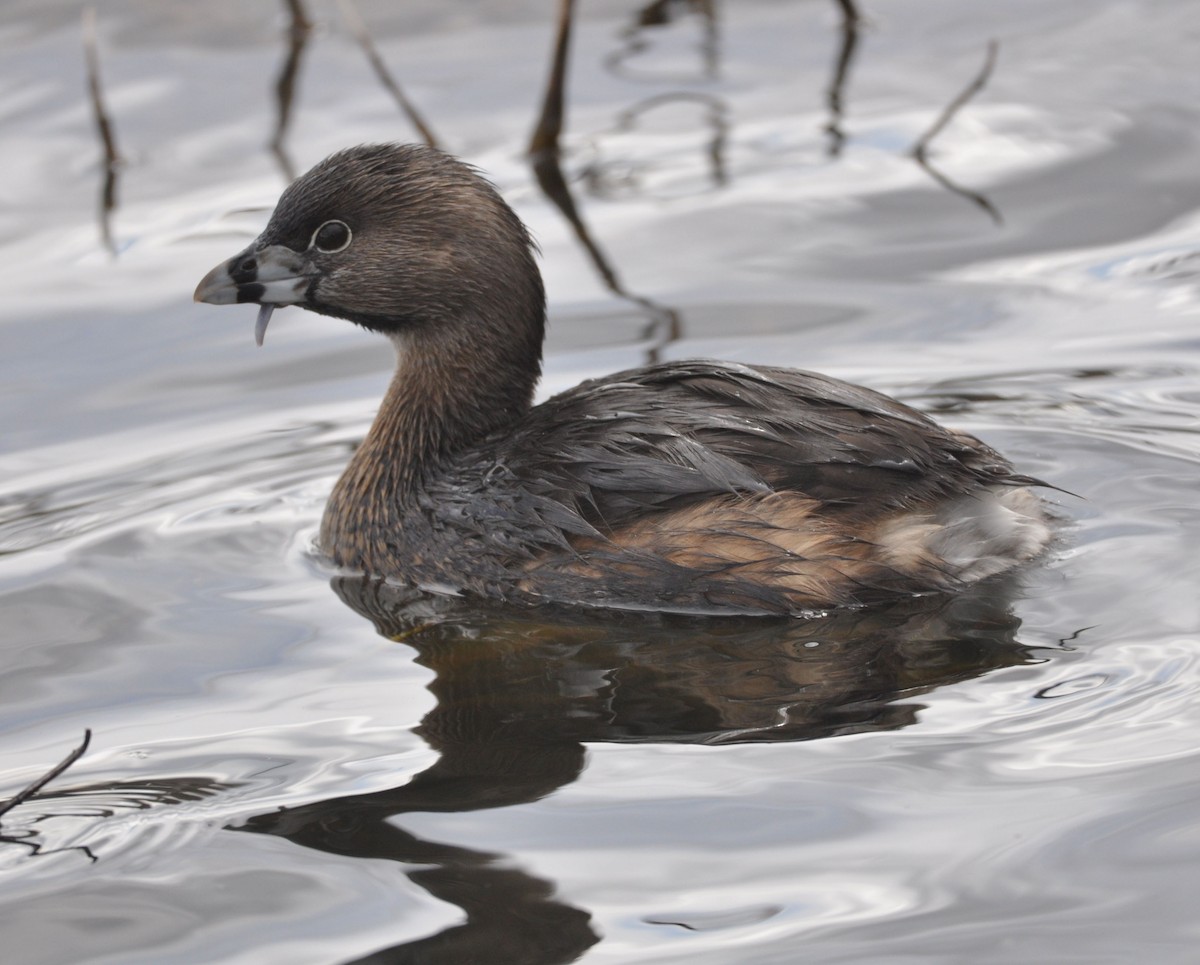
443,398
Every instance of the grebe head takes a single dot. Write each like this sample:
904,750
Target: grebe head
400,239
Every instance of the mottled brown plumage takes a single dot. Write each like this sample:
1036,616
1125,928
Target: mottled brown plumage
688,485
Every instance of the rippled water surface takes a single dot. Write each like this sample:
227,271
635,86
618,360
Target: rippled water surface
290,766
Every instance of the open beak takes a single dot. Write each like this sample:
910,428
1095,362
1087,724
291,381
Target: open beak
270,276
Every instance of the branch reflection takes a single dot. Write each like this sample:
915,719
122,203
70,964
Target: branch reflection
298,32
920,150
660,13
358,28
716,116
545,159
110,157
43,821
841,72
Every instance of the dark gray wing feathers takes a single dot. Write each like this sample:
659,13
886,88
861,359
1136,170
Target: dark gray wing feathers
600,455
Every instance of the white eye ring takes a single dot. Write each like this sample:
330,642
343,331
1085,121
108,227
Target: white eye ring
335,243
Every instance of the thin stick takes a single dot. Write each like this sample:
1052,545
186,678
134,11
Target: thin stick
550,121
104,127
850,12
103,123
974,197
49,776
544,155
920,148
710,46
299,29
355,24
841,71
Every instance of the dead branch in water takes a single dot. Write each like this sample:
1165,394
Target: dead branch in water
22,796
110,158
550,122
298,32
920,149
354,23
841,72
850,12
545,157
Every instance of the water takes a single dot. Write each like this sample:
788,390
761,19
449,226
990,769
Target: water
285,769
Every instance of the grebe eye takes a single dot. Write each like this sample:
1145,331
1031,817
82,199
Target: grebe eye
332,236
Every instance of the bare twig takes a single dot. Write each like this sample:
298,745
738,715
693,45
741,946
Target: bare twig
665,325
299,29
953,187
545,157
710,46
354,23
550,121
103,123
111,158
841,72
921,146
850,12
49,776
920,150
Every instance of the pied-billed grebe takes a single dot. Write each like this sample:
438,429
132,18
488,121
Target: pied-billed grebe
691,485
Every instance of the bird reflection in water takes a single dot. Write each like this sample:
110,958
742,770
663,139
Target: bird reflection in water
520,692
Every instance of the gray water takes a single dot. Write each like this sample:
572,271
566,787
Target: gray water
287,766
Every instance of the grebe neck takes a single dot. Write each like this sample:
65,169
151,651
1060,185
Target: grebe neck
443,397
